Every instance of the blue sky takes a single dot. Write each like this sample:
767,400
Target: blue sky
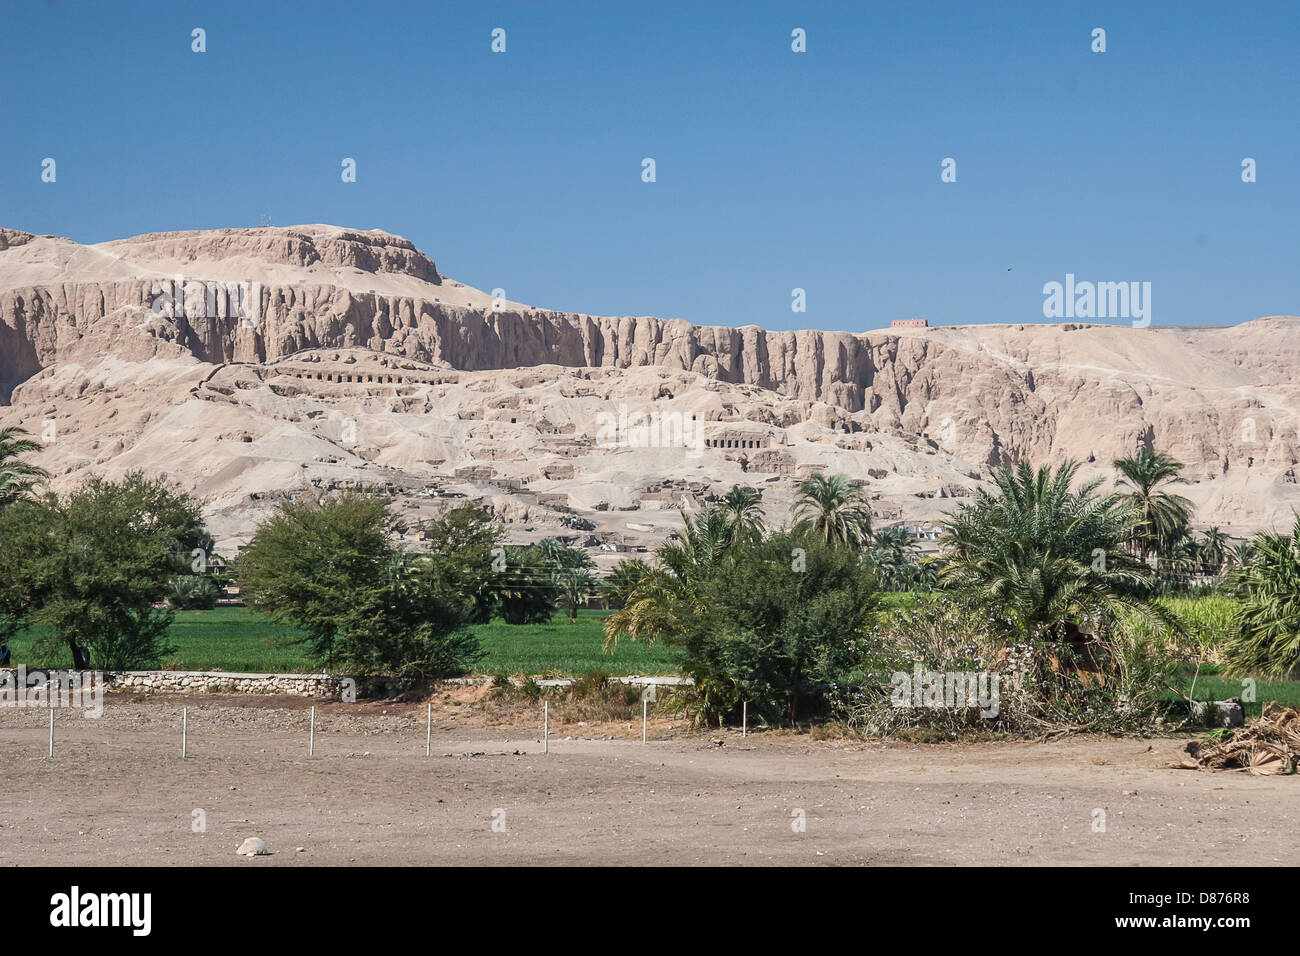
775,170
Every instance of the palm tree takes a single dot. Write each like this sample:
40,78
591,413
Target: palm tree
557,553
575,586
17,478
744,507
1043,554
1241,556
617,589
1214,549
1184,555
1268,644
666,597
894,551
1161,517
704,541
833,510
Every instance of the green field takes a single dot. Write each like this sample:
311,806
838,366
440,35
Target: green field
1210,686
236,639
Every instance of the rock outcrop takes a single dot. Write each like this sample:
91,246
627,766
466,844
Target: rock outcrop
182,312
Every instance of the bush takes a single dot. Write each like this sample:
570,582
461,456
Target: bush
193,593
1051,679
1267,643
766,621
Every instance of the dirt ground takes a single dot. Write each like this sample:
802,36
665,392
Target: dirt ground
117,792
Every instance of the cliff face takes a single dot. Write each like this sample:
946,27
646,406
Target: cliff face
1224,401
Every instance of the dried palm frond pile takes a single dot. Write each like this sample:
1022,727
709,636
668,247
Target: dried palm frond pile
1269,744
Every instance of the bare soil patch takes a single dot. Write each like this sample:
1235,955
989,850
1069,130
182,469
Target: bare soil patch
118,792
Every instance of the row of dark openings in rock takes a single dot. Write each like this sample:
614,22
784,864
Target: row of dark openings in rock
363,379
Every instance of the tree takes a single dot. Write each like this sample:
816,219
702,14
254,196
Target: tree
834,510
774,628
309,563
1160,517
330,567
705,540
575,587
414,624
525,587
1268,642
622,581
24,533
17,477
666,595
534,580
753,623
1241,556
894,552
1214,549
193,592
1043,554
744,509
465,545
104,559
562,557
1184,557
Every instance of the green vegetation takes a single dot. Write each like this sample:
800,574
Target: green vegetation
91,567
1210,684
834,509
1268,643
238,639
1044,553
754,619
1097,608
362,603
18,478
1160,517
563,648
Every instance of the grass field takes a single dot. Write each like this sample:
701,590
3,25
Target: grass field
1210,686
238,640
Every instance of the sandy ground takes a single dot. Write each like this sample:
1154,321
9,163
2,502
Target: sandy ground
118,792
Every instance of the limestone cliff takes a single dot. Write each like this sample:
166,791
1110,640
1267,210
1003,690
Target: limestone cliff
1222,400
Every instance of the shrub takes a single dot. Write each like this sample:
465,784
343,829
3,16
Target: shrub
1050,679
765,621
1267,643
192,593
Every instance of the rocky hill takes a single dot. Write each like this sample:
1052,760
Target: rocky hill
252,364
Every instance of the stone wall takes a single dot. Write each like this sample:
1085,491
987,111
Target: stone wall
220,682
321,686
324,686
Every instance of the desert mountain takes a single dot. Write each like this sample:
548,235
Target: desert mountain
255,364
